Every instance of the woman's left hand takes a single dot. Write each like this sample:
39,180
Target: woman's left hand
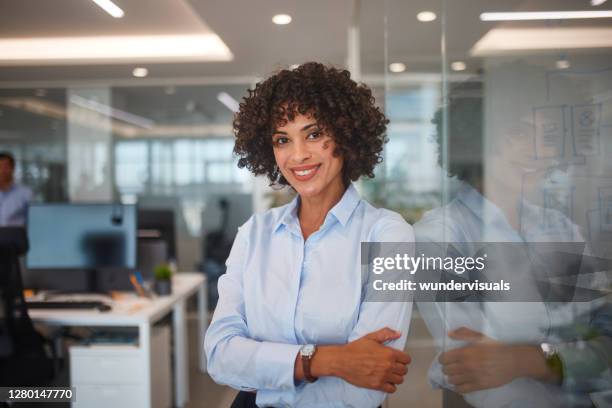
486,363
366,362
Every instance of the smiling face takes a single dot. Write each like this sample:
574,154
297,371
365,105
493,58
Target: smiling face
304,153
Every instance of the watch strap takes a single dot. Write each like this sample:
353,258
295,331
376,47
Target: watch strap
306,360
553,360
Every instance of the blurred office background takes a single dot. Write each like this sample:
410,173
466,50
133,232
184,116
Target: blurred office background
156,129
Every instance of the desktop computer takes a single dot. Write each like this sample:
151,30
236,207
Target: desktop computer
91,239
124,358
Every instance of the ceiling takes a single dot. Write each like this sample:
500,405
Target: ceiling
318,32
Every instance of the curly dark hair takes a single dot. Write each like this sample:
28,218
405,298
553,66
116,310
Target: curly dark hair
342,108
465,142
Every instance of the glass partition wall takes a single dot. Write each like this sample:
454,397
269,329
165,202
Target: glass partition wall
33,126
164,147
500,145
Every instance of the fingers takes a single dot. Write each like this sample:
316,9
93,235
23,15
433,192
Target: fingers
383,335
451,356
453,369
394,378
459,379
463,333
399,368
401,357
389,388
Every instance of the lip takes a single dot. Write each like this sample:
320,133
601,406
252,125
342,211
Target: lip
305,177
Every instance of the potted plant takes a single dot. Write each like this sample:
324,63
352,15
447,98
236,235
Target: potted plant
163,279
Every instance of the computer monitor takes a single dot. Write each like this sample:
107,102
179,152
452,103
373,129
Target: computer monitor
89,237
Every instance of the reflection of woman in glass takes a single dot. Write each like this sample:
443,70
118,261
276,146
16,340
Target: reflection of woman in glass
529,353
291,327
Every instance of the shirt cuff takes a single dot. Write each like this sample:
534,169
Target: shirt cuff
274,398
275,365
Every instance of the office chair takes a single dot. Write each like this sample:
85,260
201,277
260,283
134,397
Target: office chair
217,246
23,358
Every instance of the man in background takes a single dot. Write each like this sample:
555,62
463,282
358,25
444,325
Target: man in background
14,198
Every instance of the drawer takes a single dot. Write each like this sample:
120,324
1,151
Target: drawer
104,396
98,369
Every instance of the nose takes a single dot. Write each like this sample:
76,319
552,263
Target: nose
301,152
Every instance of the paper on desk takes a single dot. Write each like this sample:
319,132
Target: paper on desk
131,305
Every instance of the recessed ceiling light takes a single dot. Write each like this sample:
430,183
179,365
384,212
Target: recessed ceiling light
110,7
563,63
426,16
545,15
281,19
597,2
397,67
140,72
458,66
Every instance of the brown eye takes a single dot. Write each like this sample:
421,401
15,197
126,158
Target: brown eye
281,140
314,135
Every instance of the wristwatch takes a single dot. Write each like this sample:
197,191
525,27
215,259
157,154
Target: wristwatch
553,360
307,352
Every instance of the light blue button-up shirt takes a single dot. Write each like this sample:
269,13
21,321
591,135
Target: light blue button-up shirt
469,220
14,205
280,292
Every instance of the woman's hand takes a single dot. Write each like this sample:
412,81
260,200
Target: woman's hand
368,363
365,362
485,363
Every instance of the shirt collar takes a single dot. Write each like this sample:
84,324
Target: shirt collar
342,211
472,199
289,214
347,204
477,203
494,221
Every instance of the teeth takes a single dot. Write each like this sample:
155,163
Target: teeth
304,172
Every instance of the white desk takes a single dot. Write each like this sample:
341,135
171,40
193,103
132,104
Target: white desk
143,313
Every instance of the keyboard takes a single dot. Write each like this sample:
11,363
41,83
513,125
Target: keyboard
101,306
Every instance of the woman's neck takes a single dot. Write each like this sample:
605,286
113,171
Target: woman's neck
506,198
313,210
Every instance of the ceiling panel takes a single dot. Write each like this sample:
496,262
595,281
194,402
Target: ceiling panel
318,32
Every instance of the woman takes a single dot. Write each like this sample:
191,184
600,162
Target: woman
290,327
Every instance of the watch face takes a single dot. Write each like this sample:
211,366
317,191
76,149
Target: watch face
308,350
547,349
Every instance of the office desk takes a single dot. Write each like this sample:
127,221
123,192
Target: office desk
143,313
